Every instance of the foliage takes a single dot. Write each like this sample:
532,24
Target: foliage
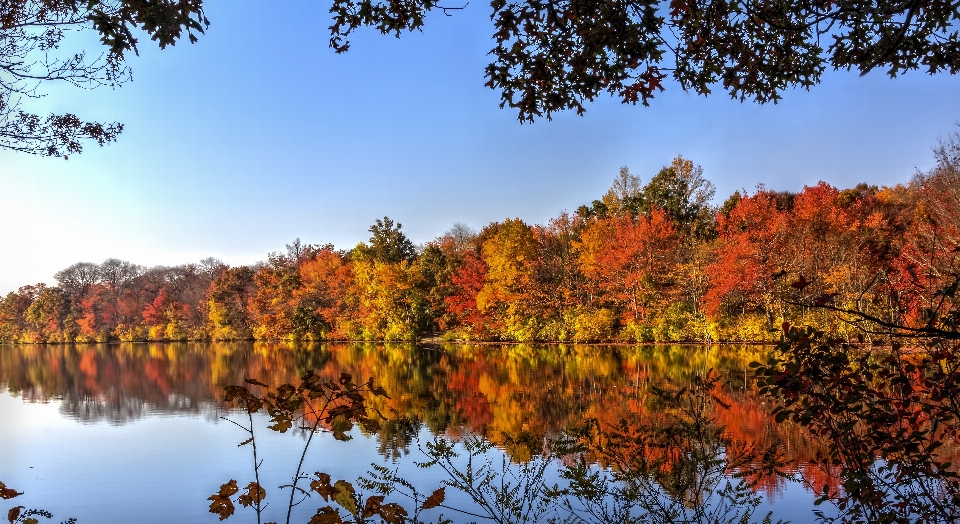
22,515
681,191
31,35
227,304
677,464
464,315
390,304
508,255
555,56
388,243
316,404
888,420
652,262
629,261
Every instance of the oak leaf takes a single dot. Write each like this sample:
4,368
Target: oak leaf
282,421
372,507
255,493
222,505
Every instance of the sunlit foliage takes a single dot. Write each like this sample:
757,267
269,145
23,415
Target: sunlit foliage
650,261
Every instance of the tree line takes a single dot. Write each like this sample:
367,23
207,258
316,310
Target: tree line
645,262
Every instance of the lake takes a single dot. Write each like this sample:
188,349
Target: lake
136,432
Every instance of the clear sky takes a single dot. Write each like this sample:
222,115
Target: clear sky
259,134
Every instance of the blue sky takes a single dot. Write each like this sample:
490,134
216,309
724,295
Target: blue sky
259,134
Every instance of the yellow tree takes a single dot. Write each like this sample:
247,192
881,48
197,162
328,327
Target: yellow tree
509,253
390,305
390,302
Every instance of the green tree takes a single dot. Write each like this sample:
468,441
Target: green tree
388,243
436,270
680,190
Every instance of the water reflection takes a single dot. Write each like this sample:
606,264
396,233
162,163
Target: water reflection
510,395
486,390
452,388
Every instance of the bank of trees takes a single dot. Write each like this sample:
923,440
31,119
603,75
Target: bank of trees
645,262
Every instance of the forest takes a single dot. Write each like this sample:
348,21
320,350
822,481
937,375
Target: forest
642,263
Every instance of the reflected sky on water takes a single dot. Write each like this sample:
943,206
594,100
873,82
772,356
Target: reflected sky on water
132,433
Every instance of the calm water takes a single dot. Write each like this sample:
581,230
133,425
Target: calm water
133,433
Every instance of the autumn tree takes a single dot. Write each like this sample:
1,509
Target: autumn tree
464,318
50,317
98,314
188,285
276,280
439,263
228,301
556,56
323,298
32,33
558,288
390,303
752,236
844,244
161,303
390,297
682,193
509,253
929,264
166,317
13,310
631,264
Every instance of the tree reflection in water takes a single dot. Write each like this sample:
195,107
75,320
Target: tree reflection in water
674,463
505,395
